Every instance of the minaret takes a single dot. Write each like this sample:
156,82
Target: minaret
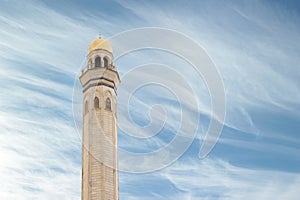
99,131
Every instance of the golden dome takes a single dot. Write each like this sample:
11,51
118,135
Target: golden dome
99,43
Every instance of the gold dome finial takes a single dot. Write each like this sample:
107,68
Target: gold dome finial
99,43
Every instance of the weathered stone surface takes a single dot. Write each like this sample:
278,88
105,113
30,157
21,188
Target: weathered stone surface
99,134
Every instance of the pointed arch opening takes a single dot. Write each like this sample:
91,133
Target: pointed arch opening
105,60
108,104
96,102
97,61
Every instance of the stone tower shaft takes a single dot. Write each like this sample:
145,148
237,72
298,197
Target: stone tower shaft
99,131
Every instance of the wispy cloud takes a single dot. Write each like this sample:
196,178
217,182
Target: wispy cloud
216,179
255,48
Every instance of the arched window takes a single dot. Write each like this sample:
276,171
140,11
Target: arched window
105,62
86,107
96,102
108,104
98,62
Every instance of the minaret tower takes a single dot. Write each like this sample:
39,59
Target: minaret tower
99,133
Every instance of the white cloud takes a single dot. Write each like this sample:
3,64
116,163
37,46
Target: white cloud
257,69
40,150
216,179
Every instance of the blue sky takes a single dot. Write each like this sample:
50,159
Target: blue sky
255,47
